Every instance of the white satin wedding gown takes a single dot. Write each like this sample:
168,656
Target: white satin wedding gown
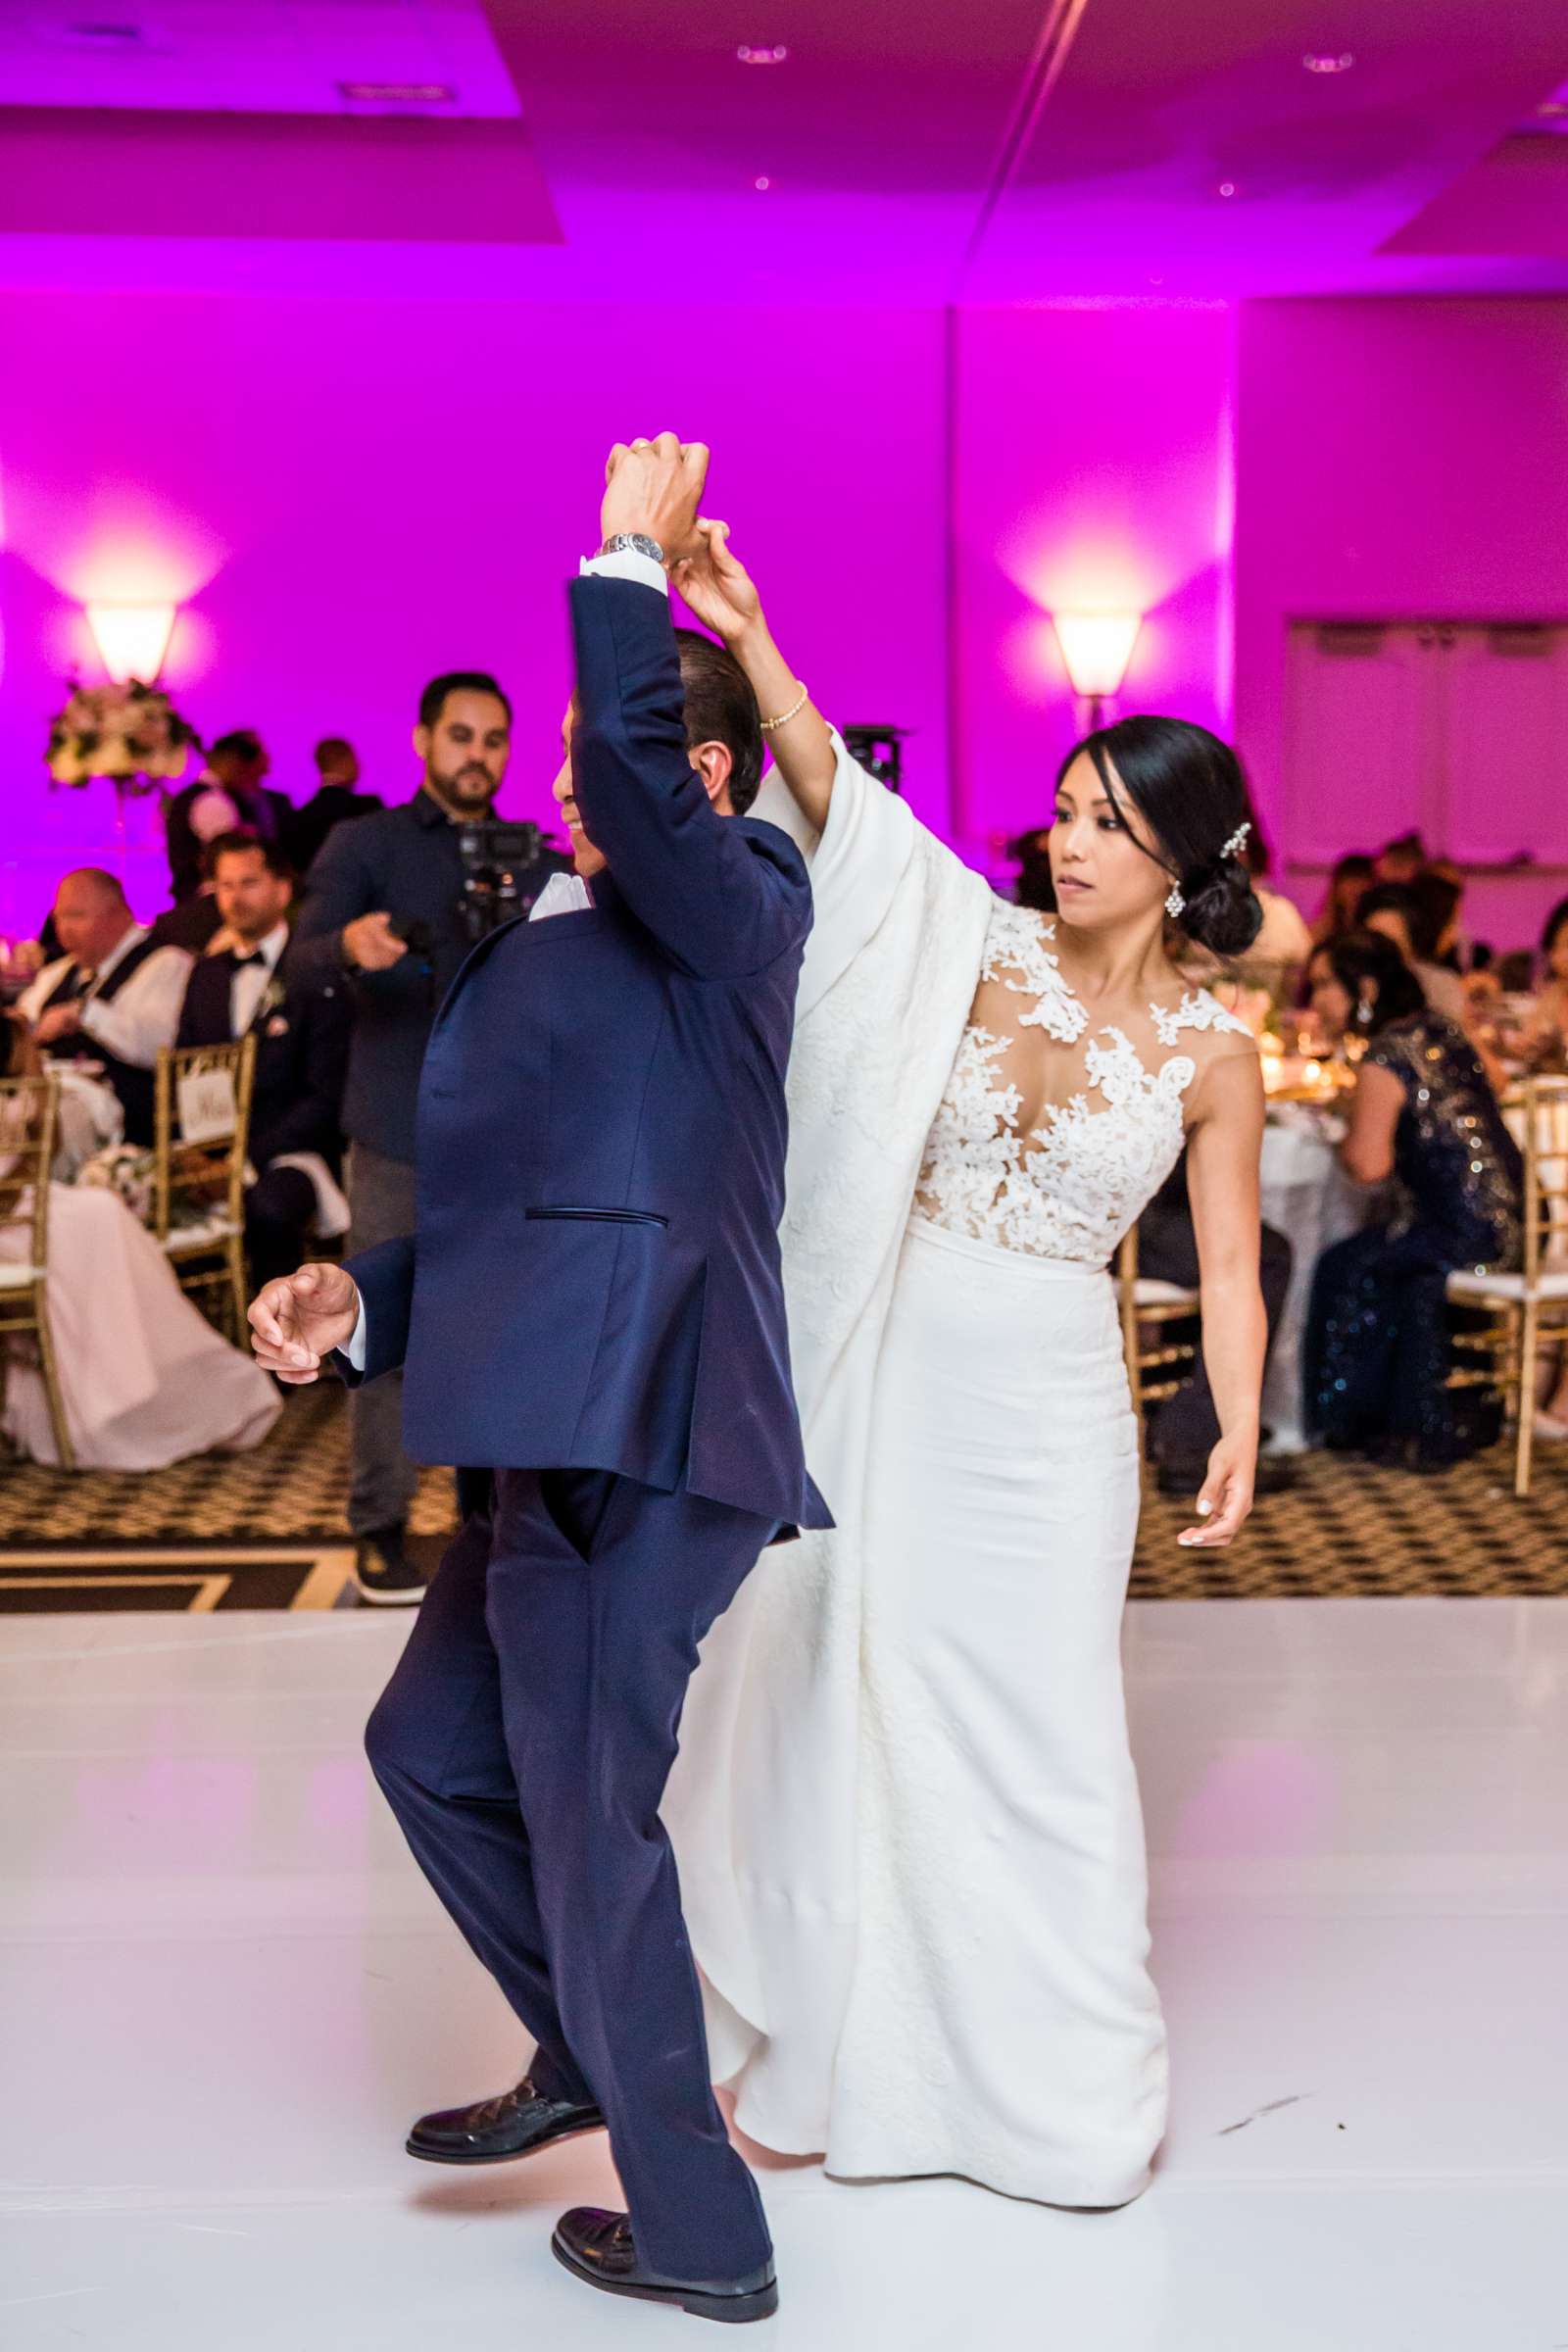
905,1813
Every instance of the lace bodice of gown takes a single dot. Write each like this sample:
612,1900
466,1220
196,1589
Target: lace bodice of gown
1019,1155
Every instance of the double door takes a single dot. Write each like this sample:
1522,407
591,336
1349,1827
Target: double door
1455,730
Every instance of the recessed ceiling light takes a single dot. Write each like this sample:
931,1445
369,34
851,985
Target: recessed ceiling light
397,93
1227,187
749,55
1327,61
762,185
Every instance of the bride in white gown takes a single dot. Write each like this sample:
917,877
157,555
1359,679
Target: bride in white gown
905,1813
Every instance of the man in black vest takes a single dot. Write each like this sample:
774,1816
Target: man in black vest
113,997
301,1029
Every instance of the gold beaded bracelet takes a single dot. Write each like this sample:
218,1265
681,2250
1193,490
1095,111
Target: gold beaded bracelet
794,712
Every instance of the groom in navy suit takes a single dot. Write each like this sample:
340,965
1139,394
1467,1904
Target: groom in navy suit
591,1306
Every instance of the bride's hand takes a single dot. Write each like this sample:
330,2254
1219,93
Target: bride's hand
1225,1503
716,588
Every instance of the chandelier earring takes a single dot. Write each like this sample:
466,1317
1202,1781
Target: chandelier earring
1176,905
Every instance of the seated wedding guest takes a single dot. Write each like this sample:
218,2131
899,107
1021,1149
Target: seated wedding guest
227,797
145,1379
1378,1328
1544,1046
1184,1429
1437,905
334,801
113,997
1348,884
1402,858
301,1027
1396,910
1549,1024
88,1118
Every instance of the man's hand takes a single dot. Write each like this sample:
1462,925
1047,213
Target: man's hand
719,590
301,1317
62,1021
371,945
655,488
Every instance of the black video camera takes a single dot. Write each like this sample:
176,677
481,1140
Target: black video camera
504,868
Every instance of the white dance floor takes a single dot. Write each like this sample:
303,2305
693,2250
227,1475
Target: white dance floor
224,1993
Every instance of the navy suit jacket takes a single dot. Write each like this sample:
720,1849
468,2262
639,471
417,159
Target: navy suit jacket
594,1280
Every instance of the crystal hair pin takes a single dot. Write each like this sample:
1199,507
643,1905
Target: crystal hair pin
1238,840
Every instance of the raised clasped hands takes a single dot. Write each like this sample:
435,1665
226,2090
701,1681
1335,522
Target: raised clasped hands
718,588
300,1319
654,490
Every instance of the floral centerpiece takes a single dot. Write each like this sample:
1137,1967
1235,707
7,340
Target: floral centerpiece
130,733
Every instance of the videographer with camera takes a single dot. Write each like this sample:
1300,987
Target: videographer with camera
395,901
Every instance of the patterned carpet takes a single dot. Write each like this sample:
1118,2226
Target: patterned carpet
266,1530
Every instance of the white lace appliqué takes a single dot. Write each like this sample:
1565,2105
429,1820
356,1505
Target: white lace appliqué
1198,1010
1073,1188
1017,954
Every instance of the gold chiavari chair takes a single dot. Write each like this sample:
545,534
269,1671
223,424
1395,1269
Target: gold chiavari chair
29,1113
199,1179
1157,1365
1530,1308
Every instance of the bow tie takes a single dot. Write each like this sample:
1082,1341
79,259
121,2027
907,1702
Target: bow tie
243,963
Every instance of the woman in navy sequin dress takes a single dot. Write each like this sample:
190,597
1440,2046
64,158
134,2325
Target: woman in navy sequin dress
1378,1347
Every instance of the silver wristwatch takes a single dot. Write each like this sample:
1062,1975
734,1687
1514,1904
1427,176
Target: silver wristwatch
633,543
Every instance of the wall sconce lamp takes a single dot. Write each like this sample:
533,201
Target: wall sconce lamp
1097,648
131,639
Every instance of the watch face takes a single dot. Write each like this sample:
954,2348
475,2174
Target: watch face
633,543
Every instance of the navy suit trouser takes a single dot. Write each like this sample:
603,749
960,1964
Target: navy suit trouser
523,1744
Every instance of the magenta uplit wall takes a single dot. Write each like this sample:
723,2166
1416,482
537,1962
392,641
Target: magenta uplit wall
1093,474
1400,460
346,497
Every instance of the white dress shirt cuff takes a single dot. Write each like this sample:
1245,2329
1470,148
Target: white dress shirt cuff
628,565
359,1339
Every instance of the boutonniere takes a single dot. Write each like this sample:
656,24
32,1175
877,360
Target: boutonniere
277,1026
273,1000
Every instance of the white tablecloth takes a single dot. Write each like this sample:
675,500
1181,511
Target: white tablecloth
1310,1199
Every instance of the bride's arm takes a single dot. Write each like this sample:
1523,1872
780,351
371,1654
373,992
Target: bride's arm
1224,1148
721,594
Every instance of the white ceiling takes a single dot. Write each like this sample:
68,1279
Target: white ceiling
908,151
247,56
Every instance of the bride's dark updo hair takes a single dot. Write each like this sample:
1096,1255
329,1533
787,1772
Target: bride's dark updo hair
1189,788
